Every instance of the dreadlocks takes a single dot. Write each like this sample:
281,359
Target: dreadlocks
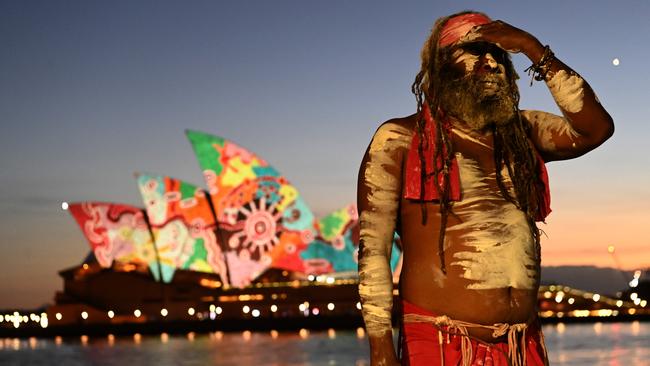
512,147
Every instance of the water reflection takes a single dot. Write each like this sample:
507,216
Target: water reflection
600,344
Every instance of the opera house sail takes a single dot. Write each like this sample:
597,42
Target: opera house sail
248,237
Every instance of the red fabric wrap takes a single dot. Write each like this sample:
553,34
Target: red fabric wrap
412,183
413,166
421,346
544,198
457,27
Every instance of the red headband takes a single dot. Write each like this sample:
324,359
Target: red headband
457,27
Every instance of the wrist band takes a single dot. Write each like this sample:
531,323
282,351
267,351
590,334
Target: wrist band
539,69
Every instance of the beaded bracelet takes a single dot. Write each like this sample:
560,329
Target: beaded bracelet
542,67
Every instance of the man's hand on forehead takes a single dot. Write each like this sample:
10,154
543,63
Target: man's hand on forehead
501,34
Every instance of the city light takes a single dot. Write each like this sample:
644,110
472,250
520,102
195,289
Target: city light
246,309
255,313
111,314
137,313
191,311
58,316
246,335
359,305
605,312
330,306
218,310
361,332
274,308
274,334
619,303
84,315
304,306
65,206
163,312
635,280
571,300
84,339
596,297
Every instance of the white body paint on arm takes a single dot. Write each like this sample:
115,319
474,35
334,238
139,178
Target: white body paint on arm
548,127
567,90
377,225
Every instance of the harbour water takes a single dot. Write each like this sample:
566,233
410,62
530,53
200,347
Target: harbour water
600,344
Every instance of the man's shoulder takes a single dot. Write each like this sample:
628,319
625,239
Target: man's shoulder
402,127
407,123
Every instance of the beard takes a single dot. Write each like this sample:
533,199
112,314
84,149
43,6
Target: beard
478,100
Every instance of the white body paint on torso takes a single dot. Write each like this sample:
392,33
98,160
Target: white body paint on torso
567,90
500,250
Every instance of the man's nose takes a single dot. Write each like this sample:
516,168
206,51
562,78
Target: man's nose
489,63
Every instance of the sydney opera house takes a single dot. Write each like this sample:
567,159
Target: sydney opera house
246,247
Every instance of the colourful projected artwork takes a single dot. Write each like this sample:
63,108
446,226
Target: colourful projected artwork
336,246
250,220
116,233
183,226
264,221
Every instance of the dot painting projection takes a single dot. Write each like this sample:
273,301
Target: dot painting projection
250,219
336,247
116,232
183,226
267,222
264,221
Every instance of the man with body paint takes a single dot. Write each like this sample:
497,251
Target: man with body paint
463,182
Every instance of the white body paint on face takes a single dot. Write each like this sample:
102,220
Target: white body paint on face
550,126
567,90
466,58
500,247
377,226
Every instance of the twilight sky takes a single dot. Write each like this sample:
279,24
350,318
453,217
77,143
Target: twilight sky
92,91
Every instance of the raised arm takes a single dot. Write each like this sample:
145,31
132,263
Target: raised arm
378,196
585,125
